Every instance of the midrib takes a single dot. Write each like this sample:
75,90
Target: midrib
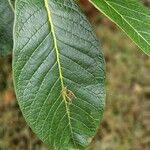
58,59
55,42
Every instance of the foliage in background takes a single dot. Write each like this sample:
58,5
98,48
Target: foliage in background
6,26
131,17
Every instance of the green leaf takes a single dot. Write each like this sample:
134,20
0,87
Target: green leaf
58,72
12,4
6,25
131,17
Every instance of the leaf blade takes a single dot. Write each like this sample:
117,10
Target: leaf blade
131,17
12,4
57,53
58,72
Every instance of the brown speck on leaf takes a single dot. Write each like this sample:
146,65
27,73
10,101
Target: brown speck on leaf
69,95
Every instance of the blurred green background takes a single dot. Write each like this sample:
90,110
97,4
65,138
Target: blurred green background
126,121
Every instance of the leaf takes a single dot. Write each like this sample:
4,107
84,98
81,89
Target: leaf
6,25
58,72
131,17
12,4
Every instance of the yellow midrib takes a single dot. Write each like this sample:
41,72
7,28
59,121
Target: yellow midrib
58,61
55,41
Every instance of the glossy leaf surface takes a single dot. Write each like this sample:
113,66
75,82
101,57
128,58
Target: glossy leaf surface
131,17
58,72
